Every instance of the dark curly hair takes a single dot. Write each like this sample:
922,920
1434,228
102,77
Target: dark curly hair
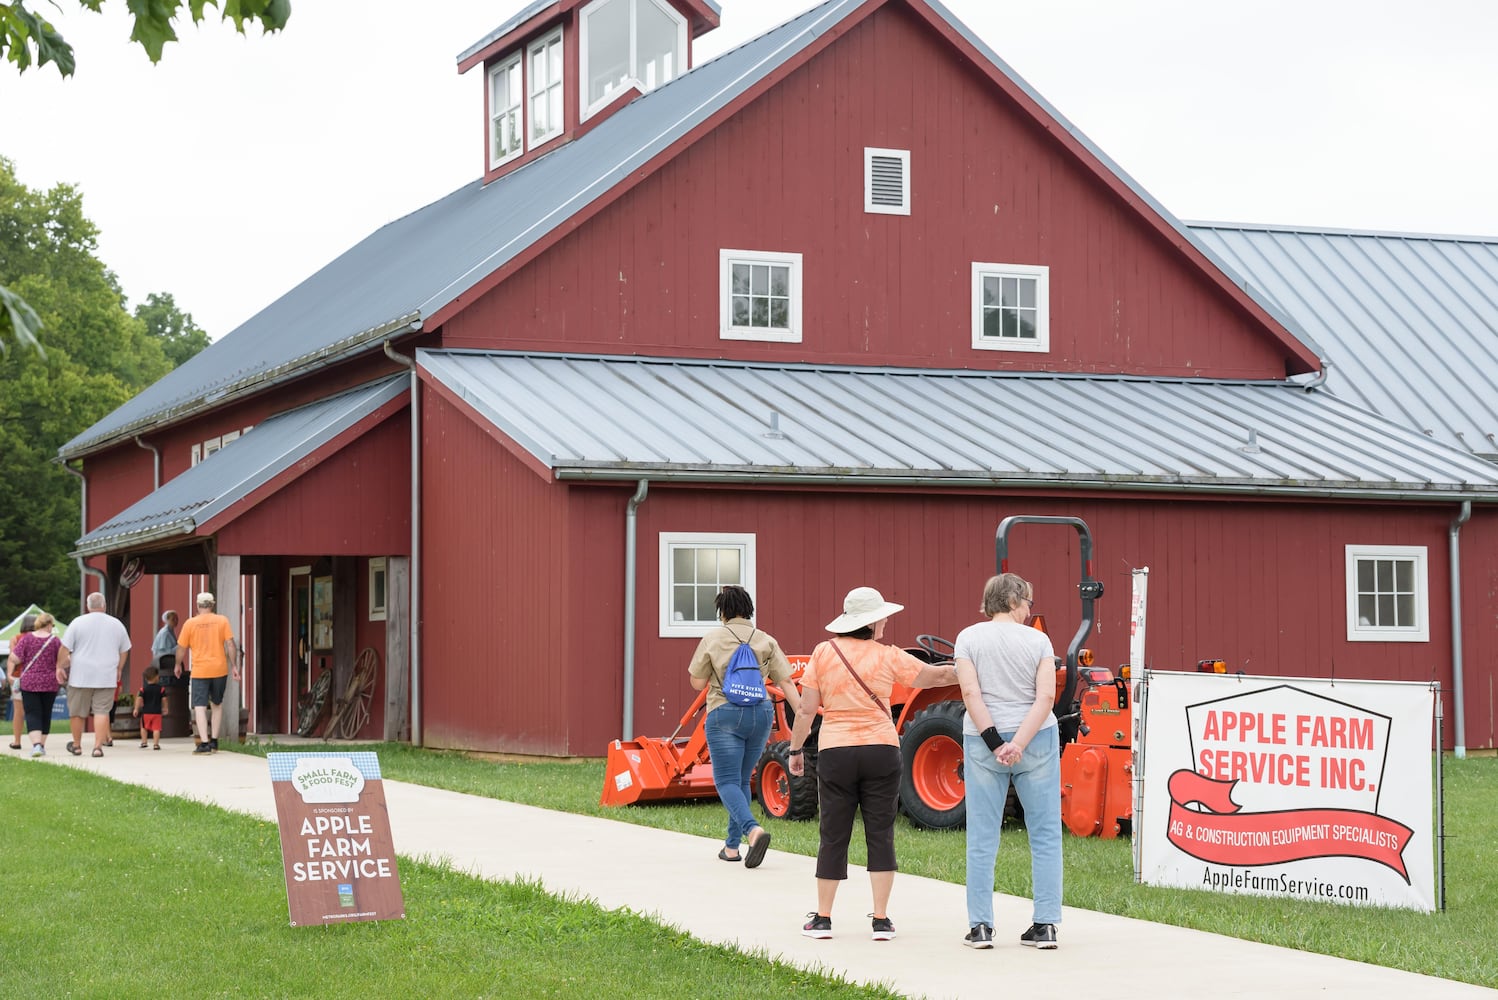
734,601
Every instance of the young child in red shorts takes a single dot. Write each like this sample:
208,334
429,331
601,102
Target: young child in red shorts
148,708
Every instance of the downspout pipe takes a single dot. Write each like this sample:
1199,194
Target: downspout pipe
628,729
84,567
155,577
410,365
1459,708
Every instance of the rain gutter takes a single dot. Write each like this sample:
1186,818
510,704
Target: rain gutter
410,366
84,568
629,606
155,577
1454,533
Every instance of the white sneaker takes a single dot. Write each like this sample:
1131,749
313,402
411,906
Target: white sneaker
37,750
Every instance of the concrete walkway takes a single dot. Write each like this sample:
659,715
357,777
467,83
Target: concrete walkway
678,880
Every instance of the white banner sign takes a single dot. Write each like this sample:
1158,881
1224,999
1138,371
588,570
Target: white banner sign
1293,787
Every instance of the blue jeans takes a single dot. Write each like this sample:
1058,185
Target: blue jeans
736,736
1037,781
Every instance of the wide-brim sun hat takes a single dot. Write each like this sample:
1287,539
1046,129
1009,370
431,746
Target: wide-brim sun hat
863,606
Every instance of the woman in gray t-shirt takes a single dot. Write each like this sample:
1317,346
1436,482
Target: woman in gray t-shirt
1007,671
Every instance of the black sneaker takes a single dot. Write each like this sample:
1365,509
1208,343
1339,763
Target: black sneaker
202,749
884,928
1042,936
818,926
213,745
981,936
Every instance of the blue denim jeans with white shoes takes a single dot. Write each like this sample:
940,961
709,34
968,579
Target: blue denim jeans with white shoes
1037,781
736,736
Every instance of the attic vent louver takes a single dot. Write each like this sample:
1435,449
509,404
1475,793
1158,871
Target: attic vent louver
886,175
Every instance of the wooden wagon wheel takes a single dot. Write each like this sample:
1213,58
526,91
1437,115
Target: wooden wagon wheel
314,704
351,710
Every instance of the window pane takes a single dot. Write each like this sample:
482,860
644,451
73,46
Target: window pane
683,565
729,570
760,315
1404,607
1011,323
780,281
740,279
1027,324
740,310
707,564
1384,572
780,314
1404,576
1365,576
656,57
1010,291
1385,610
759,279
1366,610
608,48
683,604
990,291
1027,292
990,323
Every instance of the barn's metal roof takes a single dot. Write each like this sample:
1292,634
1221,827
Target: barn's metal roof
612,418
238,469
399,277
1409,321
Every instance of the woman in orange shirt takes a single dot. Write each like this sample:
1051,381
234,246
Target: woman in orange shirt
858,751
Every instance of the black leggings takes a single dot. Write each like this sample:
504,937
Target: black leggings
855,778
38,705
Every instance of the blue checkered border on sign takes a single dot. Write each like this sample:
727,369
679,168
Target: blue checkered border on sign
282,764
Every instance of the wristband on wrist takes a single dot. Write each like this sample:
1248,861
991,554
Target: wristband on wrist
794,753
992,738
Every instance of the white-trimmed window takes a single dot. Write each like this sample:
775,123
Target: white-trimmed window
694,566
759,295
623,42
886,181
1011,307
377,581
1388,597
545,86
506,111
203,449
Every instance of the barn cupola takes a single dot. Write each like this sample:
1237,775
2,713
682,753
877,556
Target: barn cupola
559,67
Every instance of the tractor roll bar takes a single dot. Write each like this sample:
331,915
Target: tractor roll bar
1090,589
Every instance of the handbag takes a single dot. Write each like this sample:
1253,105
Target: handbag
877,700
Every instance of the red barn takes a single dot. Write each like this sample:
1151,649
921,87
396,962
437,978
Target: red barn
814,314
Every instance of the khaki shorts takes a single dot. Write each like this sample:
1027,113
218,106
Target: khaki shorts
89,701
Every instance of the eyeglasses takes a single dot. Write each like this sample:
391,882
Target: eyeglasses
1029,600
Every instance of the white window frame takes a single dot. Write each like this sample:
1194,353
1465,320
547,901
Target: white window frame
672,540
726,328
1419,631
536,49
587,110
870,153
503,67
203,449
377,571
1041,275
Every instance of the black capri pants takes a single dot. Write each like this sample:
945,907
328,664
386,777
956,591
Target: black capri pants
855,778
38,708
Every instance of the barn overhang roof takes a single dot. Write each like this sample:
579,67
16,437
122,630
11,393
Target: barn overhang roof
246,471
586,417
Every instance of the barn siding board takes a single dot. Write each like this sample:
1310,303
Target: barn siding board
354,502
493,642
860,299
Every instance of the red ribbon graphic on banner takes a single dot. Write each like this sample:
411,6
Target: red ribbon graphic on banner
1223,835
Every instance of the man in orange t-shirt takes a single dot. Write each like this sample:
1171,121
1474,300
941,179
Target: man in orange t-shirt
208,637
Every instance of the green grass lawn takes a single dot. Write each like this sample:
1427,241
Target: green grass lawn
117,890
1456,944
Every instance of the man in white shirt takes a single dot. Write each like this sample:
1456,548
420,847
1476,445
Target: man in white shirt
91,663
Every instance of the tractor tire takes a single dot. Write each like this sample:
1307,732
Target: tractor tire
931,786
782,794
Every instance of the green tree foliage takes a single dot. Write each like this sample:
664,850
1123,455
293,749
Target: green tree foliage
96,356
27,38
179,336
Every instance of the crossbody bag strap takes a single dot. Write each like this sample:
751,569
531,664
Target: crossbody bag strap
877,700
34,656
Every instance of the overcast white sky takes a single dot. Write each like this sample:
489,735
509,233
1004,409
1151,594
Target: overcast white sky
240,165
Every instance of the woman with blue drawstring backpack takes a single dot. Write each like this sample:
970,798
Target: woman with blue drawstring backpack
739,712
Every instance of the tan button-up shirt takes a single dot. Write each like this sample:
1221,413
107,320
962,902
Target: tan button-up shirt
715,649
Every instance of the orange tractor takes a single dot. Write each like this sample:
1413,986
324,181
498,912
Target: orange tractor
1092,708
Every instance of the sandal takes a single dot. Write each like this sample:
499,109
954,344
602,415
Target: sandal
143,744
156,747
15,746
724,855
97,752
73,749
757,849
